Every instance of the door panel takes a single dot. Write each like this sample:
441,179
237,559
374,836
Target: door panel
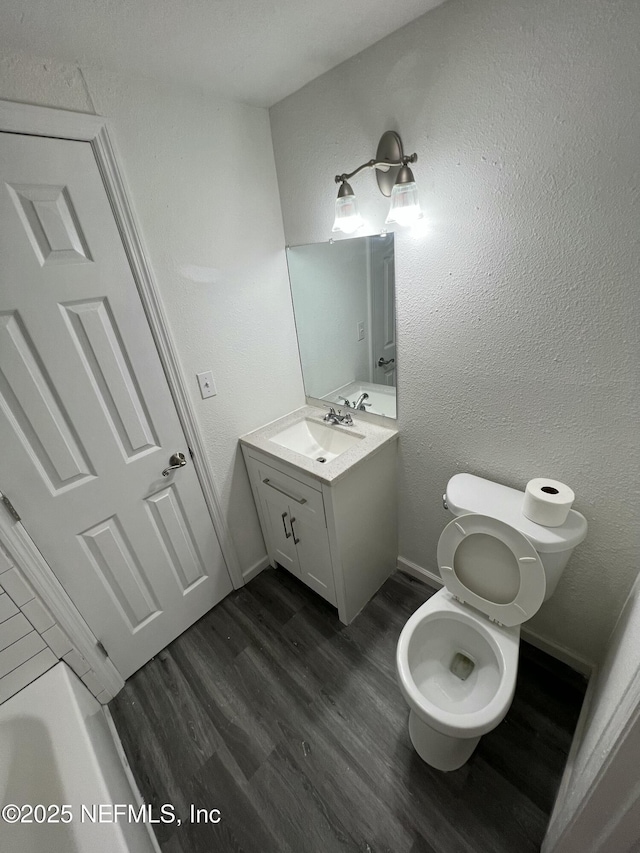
314,555
120,572
29,401
279,520
51,224
174,530
95,334
86,417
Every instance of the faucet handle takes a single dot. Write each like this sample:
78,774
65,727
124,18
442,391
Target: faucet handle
331,414
346,402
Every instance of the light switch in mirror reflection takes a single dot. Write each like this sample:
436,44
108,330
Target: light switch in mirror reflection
339,290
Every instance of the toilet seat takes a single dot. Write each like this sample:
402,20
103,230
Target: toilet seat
532,577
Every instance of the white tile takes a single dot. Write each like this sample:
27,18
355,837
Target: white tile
16,586
26,673
77,663
13,630
21,651
38,615
92,681
5,560
7,607
57,641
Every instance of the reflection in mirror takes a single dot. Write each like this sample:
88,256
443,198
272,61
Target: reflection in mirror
344,305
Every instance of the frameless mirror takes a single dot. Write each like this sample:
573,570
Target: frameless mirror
344,304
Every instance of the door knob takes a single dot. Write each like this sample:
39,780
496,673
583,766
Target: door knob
383,363
178,460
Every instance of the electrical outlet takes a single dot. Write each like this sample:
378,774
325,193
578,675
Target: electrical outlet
361,330
207,385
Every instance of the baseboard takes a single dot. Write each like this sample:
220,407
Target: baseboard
417,572
556,650
559,652
254,570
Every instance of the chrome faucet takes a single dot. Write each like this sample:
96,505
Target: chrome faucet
333,417
360,404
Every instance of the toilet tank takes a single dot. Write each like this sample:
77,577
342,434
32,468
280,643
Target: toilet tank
467,493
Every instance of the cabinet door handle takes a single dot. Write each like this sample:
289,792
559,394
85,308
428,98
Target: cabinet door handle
294,532
267,482
286,533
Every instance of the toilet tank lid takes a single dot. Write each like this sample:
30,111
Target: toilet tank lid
468,493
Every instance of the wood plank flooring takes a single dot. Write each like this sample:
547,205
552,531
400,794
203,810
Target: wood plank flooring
293,726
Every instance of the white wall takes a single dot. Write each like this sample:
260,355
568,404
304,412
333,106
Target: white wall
518,314
330,288
601,784
202,180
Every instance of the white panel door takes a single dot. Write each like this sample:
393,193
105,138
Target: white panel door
87,421
383,300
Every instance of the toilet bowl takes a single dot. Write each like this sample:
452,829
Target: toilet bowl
449,713
457,656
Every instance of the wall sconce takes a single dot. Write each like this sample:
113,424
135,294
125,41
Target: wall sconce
395,180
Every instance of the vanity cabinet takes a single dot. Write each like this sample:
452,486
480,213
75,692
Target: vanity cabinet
338,537
296,528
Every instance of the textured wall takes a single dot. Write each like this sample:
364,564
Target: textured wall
518,311
213,231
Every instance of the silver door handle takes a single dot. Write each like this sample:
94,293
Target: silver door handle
178,460
286,532
295,538
282,492
383,363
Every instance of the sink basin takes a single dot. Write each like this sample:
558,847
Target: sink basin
315,440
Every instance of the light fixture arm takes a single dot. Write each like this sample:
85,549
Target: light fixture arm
389,160
382,165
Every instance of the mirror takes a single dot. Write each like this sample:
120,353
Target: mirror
344,305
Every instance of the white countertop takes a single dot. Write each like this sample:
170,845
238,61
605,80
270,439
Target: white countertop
374,438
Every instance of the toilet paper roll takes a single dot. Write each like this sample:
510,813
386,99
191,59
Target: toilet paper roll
547,502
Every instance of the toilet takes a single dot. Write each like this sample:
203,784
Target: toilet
457,656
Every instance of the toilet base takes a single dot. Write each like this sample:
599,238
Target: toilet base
438,750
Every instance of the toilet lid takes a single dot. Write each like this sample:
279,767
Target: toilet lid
497,570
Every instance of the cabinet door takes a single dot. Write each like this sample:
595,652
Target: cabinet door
297,532
314,556
279,520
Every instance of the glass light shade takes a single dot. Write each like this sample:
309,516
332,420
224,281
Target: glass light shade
405,205
348,218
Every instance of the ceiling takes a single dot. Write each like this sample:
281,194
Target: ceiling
256,51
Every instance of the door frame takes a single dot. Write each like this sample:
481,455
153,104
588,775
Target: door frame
86,127
609,806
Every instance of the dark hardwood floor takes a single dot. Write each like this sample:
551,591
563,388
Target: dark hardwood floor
292,725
